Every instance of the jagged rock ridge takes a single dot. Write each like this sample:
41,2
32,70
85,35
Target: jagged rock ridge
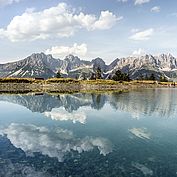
41,65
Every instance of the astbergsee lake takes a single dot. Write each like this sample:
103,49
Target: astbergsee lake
132,134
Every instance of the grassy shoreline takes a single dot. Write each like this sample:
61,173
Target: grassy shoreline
62,85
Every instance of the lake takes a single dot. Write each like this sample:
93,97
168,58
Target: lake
131,134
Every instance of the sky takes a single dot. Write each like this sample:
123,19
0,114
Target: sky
108,29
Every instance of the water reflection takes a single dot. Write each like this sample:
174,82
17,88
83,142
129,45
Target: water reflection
89,134
140,133
52,142
63,115
160,102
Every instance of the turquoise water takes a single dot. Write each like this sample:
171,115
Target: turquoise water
131,134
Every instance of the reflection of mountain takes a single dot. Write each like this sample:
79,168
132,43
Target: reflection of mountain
150,102
45,103
36,103
52,142
159,101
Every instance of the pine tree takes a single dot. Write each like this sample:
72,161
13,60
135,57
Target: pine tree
98,73
152,77
58,75
141,77
146,77
93,77
163,79
119,76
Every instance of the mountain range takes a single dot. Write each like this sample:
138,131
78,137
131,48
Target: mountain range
45,66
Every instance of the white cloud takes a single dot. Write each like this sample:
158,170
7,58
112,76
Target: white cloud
136,2
52,142
107,19
122,0
58,21
139,52
8,2
143,35
60,51
139,2
155,9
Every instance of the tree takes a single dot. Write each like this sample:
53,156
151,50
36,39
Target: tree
58,75
84,76
152,77
93,77
119,76
98,73
146,77
163,79
141,77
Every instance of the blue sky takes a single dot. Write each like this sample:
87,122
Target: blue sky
101,28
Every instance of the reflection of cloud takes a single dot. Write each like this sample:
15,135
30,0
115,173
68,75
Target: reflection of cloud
62,115
52,142
140,133
146,171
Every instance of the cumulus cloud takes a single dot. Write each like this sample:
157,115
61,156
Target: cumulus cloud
8,2
52,142
143,35
63,115
58,21
139,52
155,9
60,51
139,2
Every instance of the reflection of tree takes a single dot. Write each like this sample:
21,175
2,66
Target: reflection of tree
98,101
114,99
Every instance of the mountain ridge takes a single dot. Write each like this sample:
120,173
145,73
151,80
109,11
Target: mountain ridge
42,65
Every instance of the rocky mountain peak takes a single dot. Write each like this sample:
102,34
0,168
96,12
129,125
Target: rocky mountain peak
72,58
42,65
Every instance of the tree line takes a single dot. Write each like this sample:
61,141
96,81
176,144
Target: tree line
117,76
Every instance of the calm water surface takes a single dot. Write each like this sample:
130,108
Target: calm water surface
83,135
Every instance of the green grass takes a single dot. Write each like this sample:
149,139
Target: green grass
16,80
87,82
99,82
61,80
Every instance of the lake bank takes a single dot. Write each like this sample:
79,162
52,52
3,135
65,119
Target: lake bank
19,85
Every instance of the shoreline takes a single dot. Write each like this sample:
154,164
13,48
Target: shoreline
19,85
